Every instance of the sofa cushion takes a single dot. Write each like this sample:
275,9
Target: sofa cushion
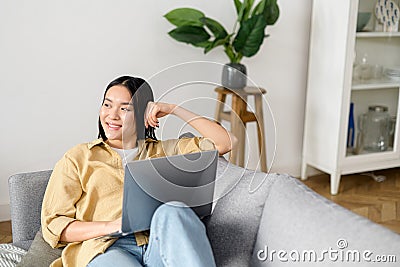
40,253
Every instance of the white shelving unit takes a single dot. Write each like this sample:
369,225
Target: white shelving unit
334,47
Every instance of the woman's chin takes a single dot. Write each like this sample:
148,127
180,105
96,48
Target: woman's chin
113,137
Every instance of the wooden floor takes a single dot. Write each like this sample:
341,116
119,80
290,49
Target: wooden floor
5,232
377,201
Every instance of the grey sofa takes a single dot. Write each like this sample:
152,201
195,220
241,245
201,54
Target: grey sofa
281,223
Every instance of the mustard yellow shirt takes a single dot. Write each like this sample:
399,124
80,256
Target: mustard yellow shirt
87,185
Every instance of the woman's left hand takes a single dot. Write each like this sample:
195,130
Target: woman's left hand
155,110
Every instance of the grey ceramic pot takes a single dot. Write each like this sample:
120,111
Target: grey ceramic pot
234,76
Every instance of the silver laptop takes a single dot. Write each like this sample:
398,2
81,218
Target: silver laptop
188,178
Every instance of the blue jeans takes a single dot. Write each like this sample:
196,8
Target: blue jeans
177,238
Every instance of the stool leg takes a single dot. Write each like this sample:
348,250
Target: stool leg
235,124
242,151
220,106
261,132
242,131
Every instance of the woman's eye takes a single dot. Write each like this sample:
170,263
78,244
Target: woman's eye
106,105
125,109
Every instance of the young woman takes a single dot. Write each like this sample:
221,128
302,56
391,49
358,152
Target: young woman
83,199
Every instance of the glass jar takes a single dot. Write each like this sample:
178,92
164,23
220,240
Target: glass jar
375,128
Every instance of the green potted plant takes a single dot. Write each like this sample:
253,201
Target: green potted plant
195,28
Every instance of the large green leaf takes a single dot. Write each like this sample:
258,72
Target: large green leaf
194,35
203,44
250,36
238,6
215,27
185,16
271,12
259,9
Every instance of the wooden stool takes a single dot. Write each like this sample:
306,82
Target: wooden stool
238,118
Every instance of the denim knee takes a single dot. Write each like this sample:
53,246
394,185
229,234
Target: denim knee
175,215
172,209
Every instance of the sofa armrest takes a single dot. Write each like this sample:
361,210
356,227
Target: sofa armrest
297,219
26,196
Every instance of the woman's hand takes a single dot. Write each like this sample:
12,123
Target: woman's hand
155,110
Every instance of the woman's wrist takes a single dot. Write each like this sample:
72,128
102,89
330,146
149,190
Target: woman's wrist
113,226
174,109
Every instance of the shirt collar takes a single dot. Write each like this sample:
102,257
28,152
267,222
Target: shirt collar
95,143
141,143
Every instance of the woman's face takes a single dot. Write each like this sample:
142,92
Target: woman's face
117,118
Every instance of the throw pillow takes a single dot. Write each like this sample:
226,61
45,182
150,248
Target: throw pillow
40,253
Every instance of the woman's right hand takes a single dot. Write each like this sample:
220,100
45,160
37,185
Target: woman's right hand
155,110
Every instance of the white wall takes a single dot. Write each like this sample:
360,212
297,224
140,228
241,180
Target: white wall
56,58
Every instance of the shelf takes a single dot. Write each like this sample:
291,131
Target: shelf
373,84
364,153
377,34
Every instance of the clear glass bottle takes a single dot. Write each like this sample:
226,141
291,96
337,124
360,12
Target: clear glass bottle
375,128
365,68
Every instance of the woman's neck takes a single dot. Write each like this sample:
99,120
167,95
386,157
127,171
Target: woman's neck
121,145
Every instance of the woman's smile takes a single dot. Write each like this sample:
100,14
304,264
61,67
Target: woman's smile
113,126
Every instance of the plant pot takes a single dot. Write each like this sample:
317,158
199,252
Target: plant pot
234,76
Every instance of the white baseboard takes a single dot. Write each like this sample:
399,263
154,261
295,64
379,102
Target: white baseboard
4,212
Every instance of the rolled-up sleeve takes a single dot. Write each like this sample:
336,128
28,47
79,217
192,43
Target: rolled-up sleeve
58,209
194,144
